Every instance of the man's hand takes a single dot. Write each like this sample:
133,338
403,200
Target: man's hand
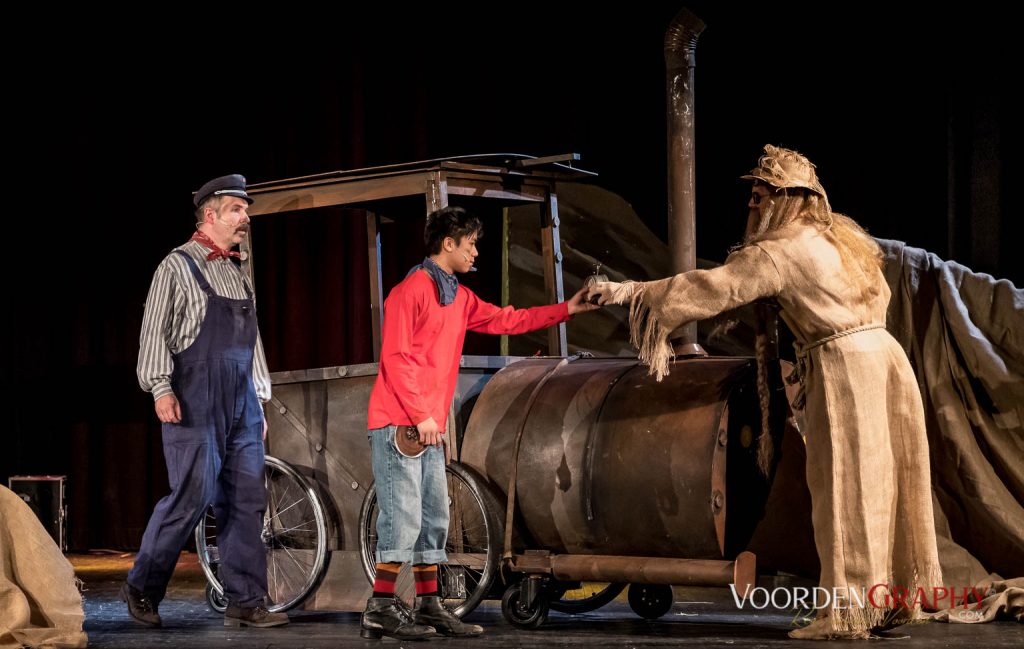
611,292
167,409
578,303
264,428
430,432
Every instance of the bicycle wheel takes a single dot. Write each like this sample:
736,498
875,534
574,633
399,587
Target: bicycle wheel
473,546
294,534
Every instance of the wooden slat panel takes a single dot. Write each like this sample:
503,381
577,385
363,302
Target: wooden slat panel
327,195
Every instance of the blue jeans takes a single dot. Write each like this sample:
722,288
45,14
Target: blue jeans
412,499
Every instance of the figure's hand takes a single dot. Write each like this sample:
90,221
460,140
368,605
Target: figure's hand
168,410
264,428
578,303
430,432
611,292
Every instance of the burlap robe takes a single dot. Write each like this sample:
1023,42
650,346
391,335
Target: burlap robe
40,605
867,453
868,471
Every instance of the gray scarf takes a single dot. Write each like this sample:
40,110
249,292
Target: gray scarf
447,284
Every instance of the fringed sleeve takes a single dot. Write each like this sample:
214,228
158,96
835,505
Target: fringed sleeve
659,307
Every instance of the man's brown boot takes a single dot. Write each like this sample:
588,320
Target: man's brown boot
257,616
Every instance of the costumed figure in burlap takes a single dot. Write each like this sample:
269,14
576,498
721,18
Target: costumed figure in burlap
867,453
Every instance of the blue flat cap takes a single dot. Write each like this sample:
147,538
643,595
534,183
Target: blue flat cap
233,185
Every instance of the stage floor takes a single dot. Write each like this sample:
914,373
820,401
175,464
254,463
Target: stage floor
700,617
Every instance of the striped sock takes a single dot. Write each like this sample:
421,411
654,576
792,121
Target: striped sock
426,579
384,582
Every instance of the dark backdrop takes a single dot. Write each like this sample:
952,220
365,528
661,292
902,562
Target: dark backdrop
907,117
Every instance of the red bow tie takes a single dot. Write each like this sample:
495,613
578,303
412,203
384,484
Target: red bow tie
216,251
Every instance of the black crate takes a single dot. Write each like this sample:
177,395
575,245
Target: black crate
44,494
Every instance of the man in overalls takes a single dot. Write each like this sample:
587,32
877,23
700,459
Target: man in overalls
200,356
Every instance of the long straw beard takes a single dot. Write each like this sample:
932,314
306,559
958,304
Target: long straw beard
759,220
775,212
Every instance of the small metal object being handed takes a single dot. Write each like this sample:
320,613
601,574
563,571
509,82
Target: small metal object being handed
594,279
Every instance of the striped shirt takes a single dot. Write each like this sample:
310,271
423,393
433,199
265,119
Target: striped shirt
174,314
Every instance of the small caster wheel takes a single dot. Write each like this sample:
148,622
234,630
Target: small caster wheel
216,599
521,615
650,601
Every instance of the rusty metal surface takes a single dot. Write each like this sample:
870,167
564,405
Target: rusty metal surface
613,463
744,572
642,570
680,61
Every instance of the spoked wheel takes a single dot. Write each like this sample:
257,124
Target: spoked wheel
294,535
522,613
475,531
650,601
575,598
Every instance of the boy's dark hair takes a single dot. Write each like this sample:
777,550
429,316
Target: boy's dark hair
453,222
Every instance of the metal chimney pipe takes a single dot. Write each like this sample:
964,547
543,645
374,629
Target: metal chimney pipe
680,46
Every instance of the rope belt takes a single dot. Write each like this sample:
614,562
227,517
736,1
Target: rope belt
803,353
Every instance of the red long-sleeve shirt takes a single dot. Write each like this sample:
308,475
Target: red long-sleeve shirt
422,346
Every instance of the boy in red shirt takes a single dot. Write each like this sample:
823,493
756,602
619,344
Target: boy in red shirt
425,322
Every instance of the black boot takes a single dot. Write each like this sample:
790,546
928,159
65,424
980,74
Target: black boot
140,607
391,617
430,610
